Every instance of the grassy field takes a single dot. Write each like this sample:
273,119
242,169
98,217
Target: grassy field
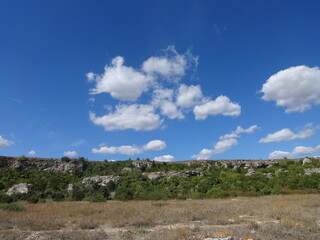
270,217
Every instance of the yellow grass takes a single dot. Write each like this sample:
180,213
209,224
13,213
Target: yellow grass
269,217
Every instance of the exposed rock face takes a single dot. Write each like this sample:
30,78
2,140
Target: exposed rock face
250,172
306,160
41,164
100,180
309,171
142,163
157,175
247,164
22,188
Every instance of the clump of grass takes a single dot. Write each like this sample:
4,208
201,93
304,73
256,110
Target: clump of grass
13,207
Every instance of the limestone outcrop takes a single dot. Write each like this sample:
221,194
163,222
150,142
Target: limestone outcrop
100,180
41,164
157,175
22,188
309,171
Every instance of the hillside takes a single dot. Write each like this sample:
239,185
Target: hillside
37,179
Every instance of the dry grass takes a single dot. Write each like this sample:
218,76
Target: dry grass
270,217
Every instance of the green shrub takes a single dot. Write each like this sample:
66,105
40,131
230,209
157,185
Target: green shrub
4,198
11,207
214,192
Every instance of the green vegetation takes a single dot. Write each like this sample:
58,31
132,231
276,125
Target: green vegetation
283,178
14,207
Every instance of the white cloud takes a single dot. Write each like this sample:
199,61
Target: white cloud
70,153
164,158
221,105
154,145
301,150
91,76
225,142
32,153
5,142
171,66
162,98
228,136
296,88
250,129
125,149
238,131
224,145
279,155
189,96
297,151
204,154
135,116
286,135
123,83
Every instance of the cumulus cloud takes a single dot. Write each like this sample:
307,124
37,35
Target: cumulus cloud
125,149
239,130
297,151
32,153
224,145
171,98
164,158
286,135
189,96
220,106
154,145
123,83
279,155
135,116
296,88
171,66
250,129
5,142
70,153
163,99
204,154
225,142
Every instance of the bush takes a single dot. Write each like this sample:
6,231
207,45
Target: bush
96,197
77,194
214,192
22,158
11,207
4,198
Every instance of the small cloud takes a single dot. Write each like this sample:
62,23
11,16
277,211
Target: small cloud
220,106
32,153
297,151
286,135
135,116
164,158
225,142
70,153
5,142
155,145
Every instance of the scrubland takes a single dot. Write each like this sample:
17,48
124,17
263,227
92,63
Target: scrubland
267,217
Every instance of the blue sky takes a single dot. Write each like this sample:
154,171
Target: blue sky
165,80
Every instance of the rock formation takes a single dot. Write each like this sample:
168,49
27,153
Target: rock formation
22,188
41,164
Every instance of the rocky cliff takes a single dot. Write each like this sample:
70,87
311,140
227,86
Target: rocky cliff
41,164
74,165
